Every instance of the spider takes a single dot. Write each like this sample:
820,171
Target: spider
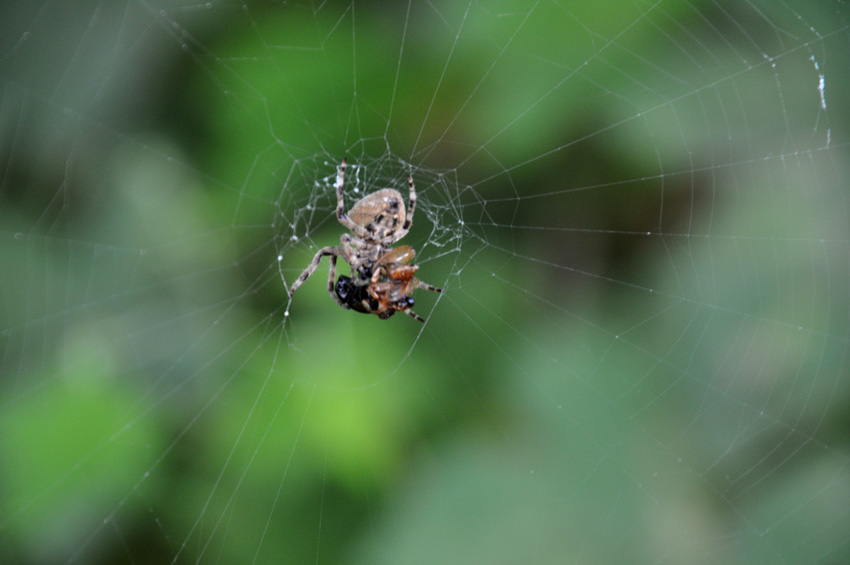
376,221
389,289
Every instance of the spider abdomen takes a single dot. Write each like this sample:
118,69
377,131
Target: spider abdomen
380,213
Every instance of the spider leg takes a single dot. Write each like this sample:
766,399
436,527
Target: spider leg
331,282
340,203
325,251
427,286
414,315
412,206
408,220
346,242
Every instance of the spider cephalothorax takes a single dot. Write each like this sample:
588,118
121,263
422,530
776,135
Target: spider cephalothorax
381,281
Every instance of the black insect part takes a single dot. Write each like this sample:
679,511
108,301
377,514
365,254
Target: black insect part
355,296
344,289
350,294
364,272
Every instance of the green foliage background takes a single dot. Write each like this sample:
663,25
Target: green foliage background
638,212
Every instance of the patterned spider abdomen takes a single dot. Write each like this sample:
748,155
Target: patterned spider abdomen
381,213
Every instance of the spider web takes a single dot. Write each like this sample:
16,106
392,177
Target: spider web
638,214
